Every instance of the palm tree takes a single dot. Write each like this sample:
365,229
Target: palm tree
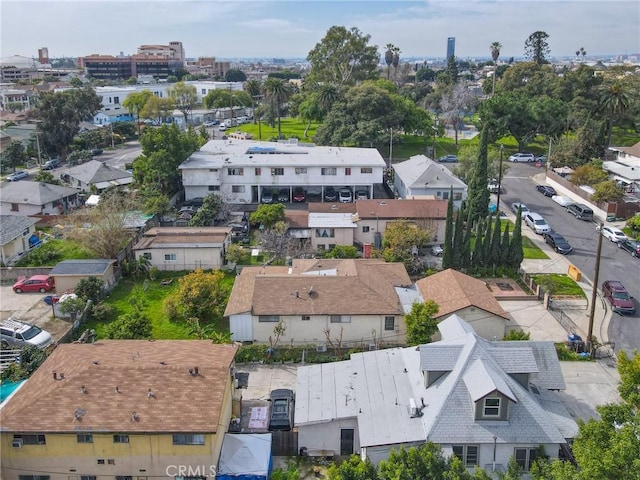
278,92
328,93
614,100
253,88
495,54
388,58
396,61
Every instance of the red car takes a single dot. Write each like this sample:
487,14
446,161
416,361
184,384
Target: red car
36,283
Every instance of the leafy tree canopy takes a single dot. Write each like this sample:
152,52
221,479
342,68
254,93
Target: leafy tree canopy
234,75
200,295
536,47
421,324
268,215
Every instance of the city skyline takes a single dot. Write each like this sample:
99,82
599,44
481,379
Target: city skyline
285,29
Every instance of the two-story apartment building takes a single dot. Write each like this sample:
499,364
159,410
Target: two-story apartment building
239,171
120,409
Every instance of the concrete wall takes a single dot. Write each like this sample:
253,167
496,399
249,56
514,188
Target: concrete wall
187,258
342,236
11,274
326,436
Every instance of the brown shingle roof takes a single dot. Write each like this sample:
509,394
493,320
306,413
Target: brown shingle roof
180,402
189,236
339,287
453,291
328,207
296,218
410,209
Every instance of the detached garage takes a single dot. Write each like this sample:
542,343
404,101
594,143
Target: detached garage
245,456
68,273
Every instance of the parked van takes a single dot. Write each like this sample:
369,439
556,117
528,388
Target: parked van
580,211
536,223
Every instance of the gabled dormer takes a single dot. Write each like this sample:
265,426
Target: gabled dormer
437,360
519,362
490,394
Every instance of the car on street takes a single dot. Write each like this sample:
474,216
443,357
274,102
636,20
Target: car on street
191,210
448,159
612,233
330,194
522,157
283,195
437,250
18,175
345,195
222,127
618,297
18,334
631,246
557,242
267,196
361,195
35,283
281,409
97,151
299,195
546,190
541,158
536,223
494,187
211,123
517,205
51,164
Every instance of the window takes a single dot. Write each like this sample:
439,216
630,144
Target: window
26,232
258,171
340,319
324,233
491,407
121,439
214,170
32,439
269,318
347,171
457,196
146,256
14,207
203,91
445,195
116,100
188,439
389,323
124,477
214,188
305,318
85,438
235,171
111,461
366,170
467,453
101,461
365,229
300,171
169,257
525,457
237,188
329,171
87,477
277,171
34,477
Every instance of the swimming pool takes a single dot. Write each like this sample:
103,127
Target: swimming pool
7,388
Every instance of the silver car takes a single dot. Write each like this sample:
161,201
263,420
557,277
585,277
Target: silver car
18,334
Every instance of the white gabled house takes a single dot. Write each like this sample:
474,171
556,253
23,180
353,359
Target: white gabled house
239,171
483,401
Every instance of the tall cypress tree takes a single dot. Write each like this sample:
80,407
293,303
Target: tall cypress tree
504,247
457,242
477,259
515,247
486,242
495,243
447,246
478,193
466,245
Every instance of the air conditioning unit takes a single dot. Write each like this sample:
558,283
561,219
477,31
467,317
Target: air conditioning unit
372,346
321,348
16,443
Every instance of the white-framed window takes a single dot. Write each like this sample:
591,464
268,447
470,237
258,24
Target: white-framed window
491,407
347,171
467,453
389,323
305,318
329,171
365,229
325,233
34,477
258,171
214,188
235,171
277,171
340,318
170,257
301,170
525,457
269,318
445,195
203,91
213,170
84,438
32,439
457,195
120,438
366,170
237,188
146,255
188,439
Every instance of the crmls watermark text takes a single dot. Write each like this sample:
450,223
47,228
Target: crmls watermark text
202,471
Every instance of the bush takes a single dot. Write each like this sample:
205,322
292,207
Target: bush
134,325
90,288
251,353
102,312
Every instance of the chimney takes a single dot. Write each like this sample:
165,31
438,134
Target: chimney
55,375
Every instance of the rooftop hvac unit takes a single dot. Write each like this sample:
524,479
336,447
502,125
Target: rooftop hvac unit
372,346
321,348
16,443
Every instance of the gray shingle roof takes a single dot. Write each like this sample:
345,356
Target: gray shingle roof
419,170
12,226
96,172
81,267
481,380
439,358
33,193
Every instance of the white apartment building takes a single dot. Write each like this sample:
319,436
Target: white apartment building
240,170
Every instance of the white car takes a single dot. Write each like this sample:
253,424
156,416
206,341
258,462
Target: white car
222,127
18,175
516,205
522,157
612,233
345,195
437,250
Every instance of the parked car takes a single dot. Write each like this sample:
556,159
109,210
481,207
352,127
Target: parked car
541,158
522,157
267,196
191,210
330,194
448,159
346,195
211,123
618,297
281,410
437,250
361,195
558,242
35,283
517,205
494,187
18,334
612,233
536,223
17,175
97,151
222,127
546,190
51,164
283,195
299,195
631,246
580,211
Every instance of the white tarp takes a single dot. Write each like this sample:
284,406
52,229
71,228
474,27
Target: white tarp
92,201
245,455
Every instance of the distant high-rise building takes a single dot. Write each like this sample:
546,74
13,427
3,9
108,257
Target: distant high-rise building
43,55
451,47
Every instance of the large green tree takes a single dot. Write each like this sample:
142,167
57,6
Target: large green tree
235,75
447,246
185,98
343,57
200,295
277,92
615,100
420,321
536,47
158,109
13,155
478,193
135,103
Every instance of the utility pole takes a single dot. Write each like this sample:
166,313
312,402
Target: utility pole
594,293
499,180
391,147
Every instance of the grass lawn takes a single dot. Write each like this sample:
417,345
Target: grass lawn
55,251
531,250
154,294
563,285
291,127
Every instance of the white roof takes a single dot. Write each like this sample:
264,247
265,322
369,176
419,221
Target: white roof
421,172
627,172
331,220
92,201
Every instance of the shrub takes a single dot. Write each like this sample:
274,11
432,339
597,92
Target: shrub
102,312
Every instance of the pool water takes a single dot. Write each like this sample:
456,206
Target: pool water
7,388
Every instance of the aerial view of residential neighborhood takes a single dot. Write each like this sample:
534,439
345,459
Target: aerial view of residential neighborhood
335,239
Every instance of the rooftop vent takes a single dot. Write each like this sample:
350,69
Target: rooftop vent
194,372
117,390
79,413
134,417
150,394
84,390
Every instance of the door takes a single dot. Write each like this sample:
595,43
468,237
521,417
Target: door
346,441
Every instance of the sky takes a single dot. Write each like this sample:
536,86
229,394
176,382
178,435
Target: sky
290,29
